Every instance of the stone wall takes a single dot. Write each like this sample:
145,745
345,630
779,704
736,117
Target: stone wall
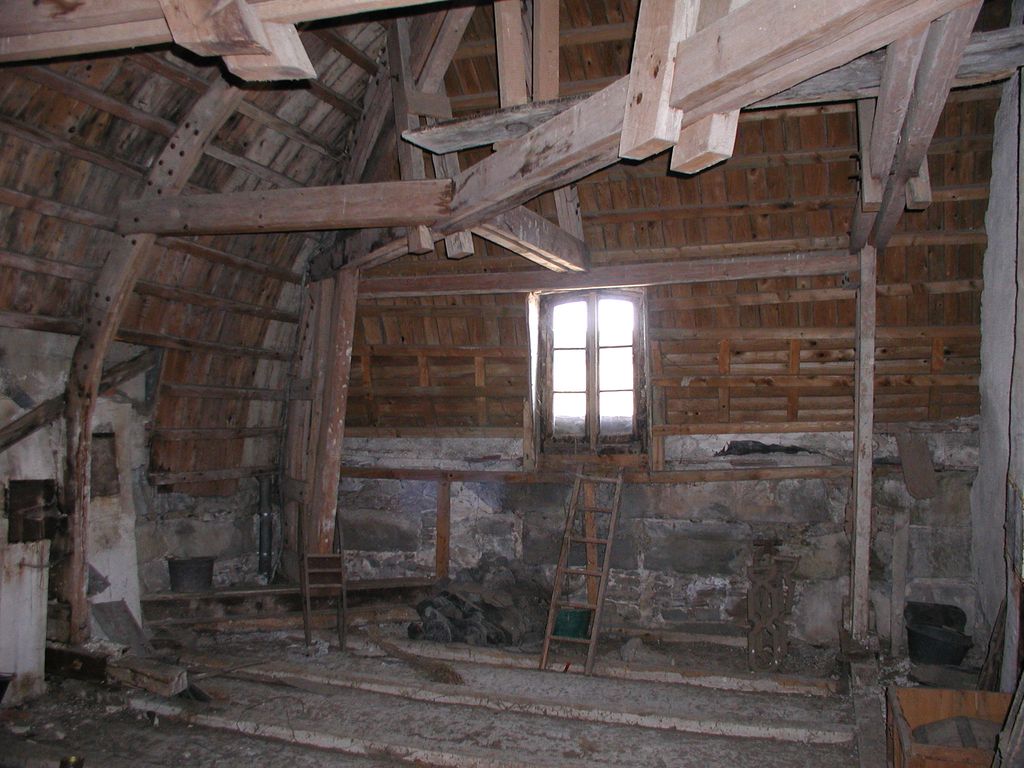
682,550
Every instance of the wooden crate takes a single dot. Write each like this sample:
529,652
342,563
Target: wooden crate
908,708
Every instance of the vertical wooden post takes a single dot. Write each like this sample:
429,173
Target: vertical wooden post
325,475
444,524
863,435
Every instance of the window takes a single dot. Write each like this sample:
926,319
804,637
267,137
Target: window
591,380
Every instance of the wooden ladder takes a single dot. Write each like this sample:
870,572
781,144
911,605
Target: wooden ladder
590,526
323,575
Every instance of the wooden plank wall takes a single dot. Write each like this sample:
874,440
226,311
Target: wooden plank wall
727,356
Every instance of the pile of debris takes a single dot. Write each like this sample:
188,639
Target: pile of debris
497,603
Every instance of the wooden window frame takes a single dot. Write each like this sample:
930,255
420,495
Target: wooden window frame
592,441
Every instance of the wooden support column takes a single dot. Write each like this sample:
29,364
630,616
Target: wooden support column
326,472
863,435
106,305
444,525
510,40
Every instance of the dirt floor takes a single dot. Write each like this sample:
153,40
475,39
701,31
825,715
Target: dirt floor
274,702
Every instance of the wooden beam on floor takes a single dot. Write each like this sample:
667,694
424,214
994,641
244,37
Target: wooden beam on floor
533,237
352,206
696,271
863,437
102,318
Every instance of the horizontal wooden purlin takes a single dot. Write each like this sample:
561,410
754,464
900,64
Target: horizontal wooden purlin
789,427
351,206
32,322
818,333
747,208
413,350
37,32
395,391
713,475
768,382
222,393
39,137
47,207
39,266
211,301
217,256
633,275
200,434
163,341
446,432
808,295
209,475
371,309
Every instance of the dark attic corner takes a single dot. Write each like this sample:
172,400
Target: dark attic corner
518,383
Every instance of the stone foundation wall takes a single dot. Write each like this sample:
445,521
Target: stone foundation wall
682,550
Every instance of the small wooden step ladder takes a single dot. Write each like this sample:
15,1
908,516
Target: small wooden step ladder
323,575
587,525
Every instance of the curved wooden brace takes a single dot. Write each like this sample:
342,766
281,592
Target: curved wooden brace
168,175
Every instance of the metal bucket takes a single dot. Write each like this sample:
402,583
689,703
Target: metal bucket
190,574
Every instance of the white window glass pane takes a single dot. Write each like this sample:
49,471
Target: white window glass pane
570,413
569,371
616,413
615,368
569,325
614,322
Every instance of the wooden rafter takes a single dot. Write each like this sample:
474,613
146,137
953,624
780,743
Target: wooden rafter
535,238
106,306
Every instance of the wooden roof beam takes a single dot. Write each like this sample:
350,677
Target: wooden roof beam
34,31
535,238
989,56
737,60
351,206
